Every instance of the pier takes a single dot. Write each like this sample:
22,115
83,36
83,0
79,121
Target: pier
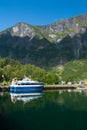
58,87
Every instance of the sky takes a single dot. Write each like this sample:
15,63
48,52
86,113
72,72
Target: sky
38,12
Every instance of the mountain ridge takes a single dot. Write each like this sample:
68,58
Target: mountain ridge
48,45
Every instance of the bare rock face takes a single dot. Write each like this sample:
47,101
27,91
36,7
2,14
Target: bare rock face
71,27
22,30
54,32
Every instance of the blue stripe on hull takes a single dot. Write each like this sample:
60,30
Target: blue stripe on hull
26,89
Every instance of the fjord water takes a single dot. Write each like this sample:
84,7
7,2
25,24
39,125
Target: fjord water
55,110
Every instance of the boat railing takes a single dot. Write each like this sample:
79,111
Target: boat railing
14,82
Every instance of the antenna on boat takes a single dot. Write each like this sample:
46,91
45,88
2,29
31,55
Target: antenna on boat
25,76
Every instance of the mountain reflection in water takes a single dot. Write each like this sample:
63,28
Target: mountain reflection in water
54,110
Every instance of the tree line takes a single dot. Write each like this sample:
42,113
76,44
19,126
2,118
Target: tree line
10,69
71,71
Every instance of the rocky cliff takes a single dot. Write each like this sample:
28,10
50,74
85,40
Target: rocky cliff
48,45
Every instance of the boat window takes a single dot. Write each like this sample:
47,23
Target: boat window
32,83
25,83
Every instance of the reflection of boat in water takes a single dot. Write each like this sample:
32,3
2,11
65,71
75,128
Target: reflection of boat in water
26,86
24,97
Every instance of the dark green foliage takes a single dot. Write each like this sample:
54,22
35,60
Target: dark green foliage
10,69
75,70
52,78
72,71
40,52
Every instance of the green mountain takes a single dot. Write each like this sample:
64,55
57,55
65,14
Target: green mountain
46,46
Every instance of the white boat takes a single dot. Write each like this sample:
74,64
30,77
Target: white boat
26,86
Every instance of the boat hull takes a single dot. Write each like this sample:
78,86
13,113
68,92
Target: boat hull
26,89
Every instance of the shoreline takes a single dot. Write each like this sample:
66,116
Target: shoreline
4,89
46,87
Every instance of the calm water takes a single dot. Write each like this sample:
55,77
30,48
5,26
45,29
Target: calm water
52,111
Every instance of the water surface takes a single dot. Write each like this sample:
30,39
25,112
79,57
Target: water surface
54,110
